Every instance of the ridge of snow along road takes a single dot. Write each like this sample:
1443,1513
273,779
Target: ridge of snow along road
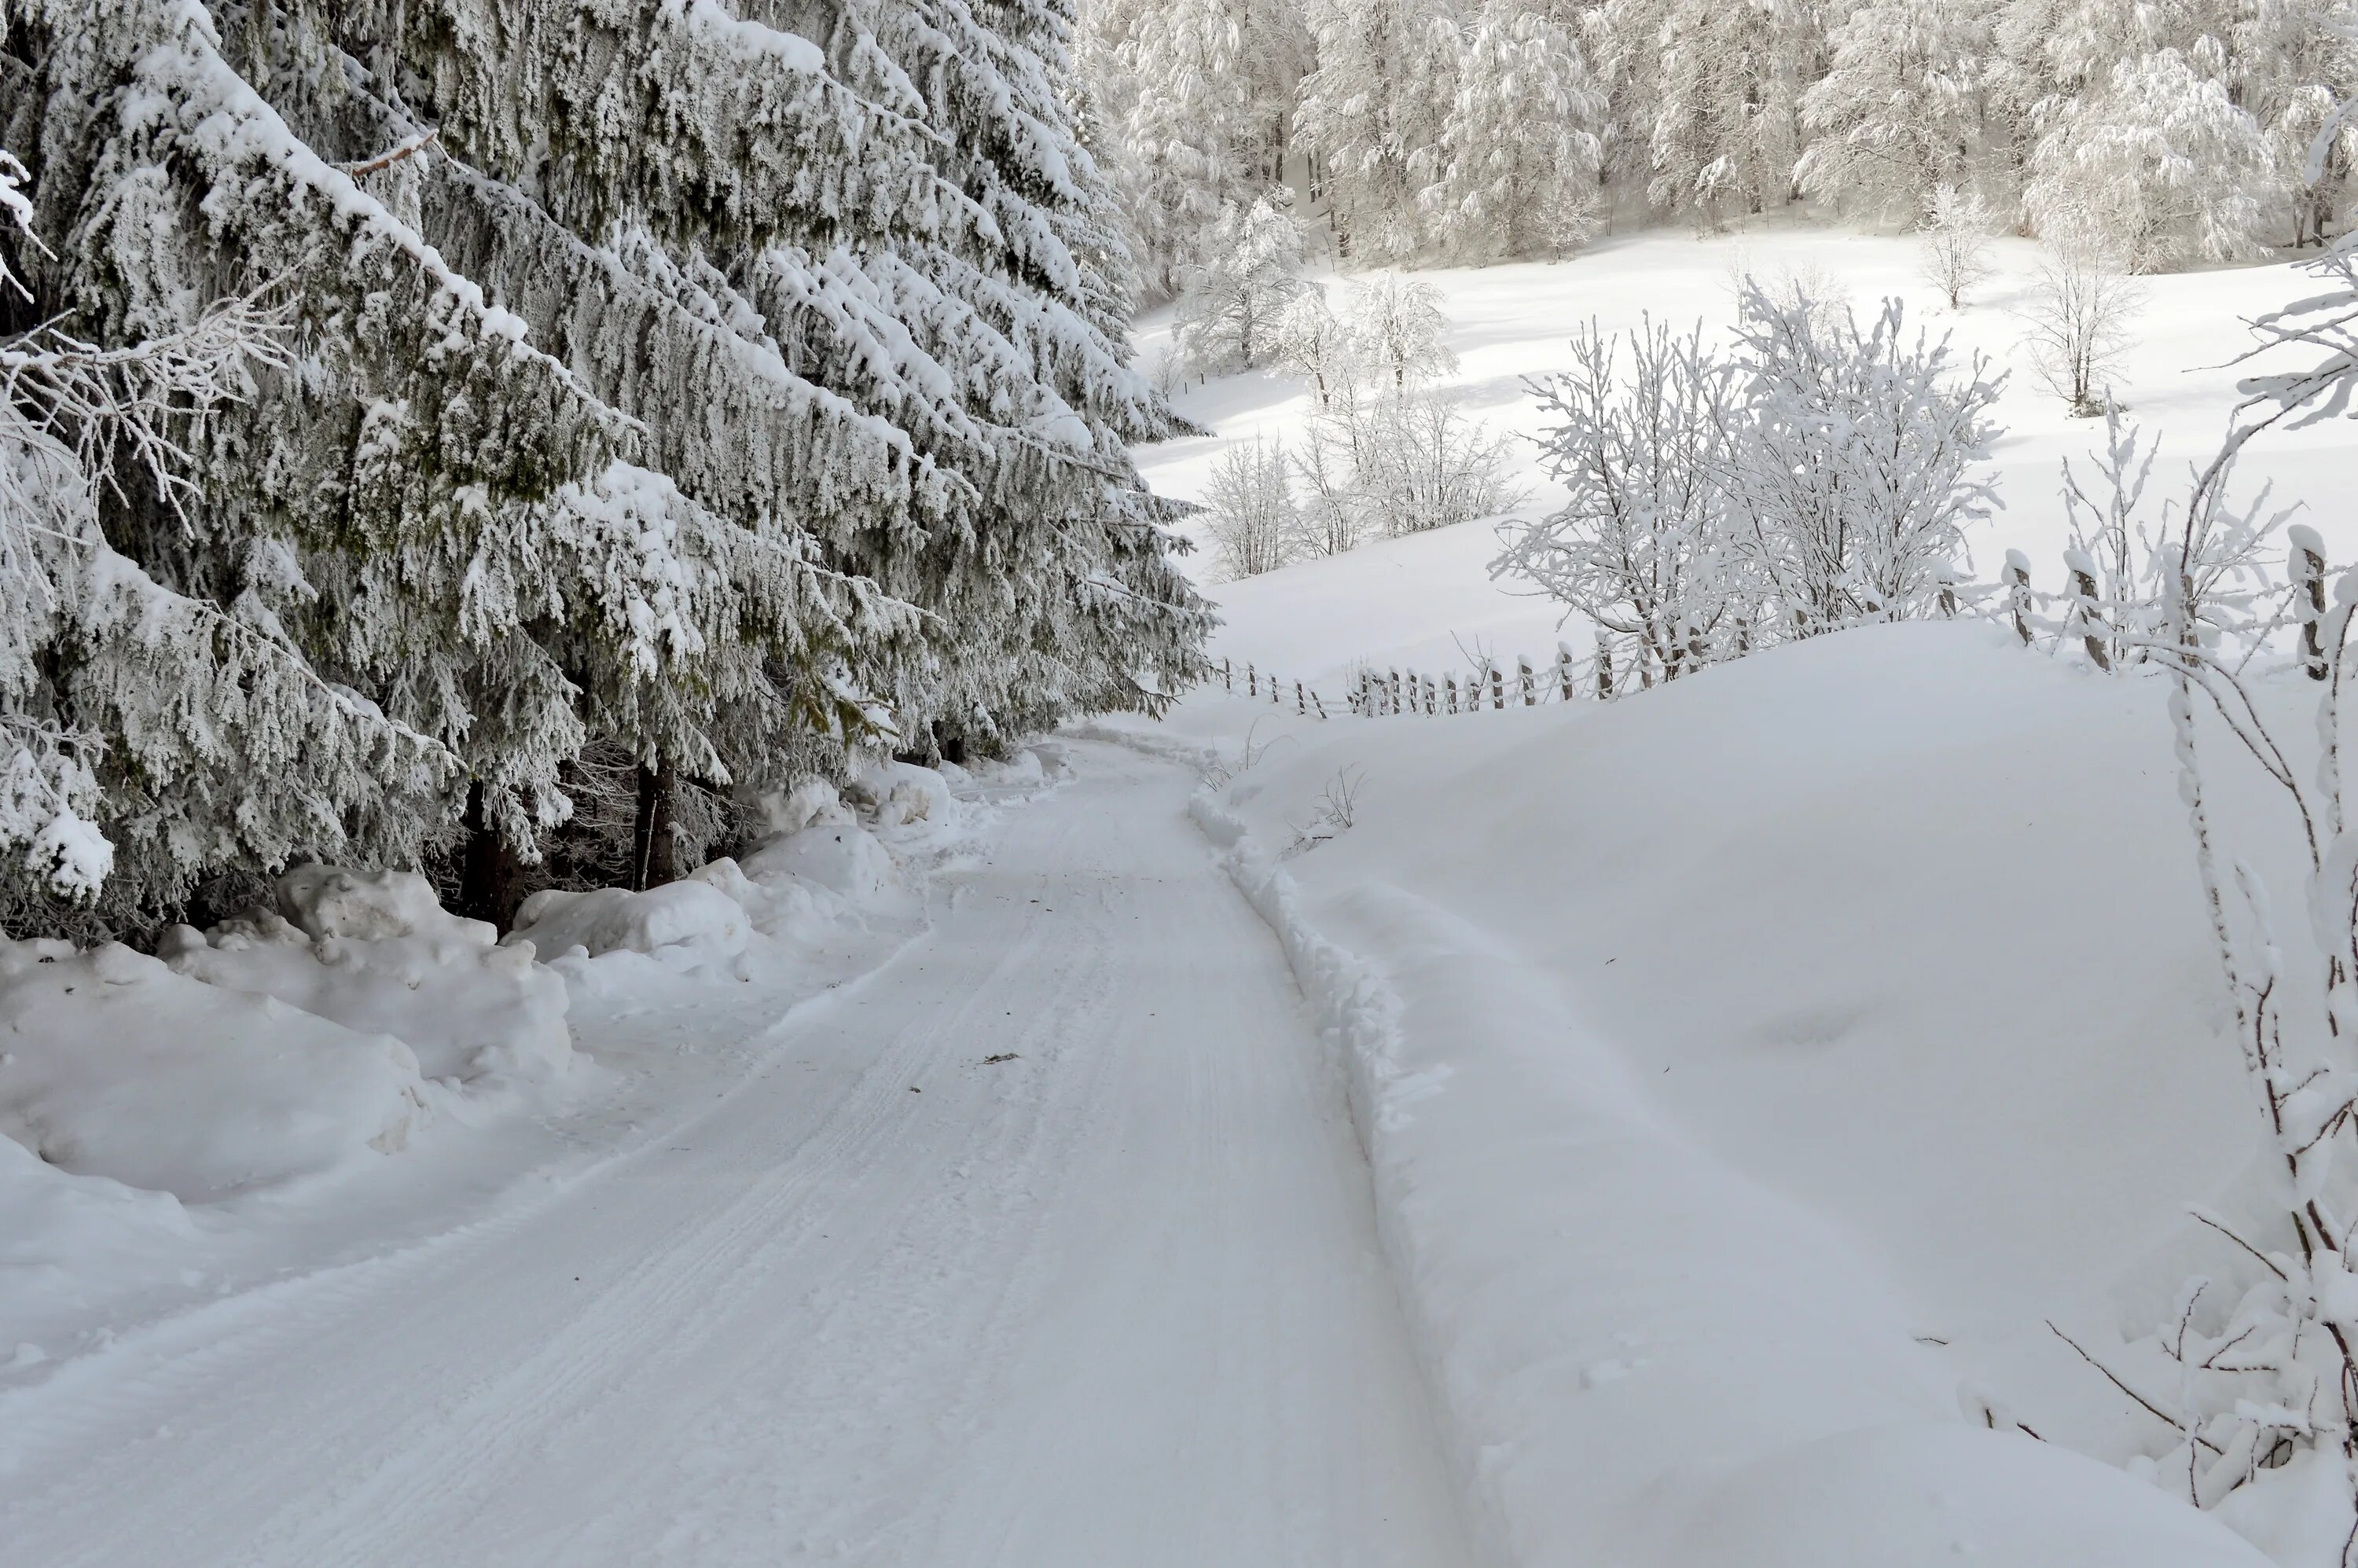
1740,1105
351,1075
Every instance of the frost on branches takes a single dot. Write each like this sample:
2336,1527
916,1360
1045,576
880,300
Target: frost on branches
1822,476
411,401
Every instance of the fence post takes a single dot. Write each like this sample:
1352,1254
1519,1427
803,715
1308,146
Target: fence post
1273,691
1452,692
1320,703
1431,696
1498,686
1396,689
1300,703
1603,669
2085,618
1564,669
1944,577
2017,592
1252,680
1228,676
2309,582
1530,686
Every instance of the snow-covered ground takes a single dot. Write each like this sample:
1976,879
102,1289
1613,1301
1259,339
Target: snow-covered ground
1417,601
1751,1069
1048,1243
1655,1134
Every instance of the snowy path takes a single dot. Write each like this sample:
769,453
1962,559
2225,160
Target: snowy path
1114,1304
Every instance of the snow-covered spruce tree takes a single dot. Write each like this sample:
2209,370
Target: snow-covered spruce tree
1372,114
1236,302
1645,546
1854,470
1726,127
1202,94
753,360
1520,148
1898,114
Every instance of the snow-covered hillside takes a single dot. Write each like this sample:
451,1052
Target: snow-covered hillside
1752,1070
1421,599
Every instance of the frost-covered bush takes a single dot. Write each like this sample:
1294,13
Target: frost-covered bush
1856,471
1647,546
1821,476
1255,523
1235,300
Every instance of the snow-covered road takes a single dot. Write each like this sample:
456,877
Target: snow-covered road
1116,1301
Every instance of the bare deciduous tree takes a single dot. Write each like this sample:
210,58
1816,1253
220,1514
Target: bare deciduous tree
2077,326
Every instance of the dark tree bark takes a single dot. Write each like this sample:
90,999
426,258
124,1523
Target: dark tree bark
489,875
655,854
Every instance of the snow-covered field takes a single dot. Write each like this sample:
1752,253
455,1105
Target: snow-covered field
1761,1077
1417,601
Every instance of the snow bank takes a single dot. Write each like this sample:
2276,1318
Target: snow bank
67,1241
1748,1069
689,921
846,859
112,1065
377,952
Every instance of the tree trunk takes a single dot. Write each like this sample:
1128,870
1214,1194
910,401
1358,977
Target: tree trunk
654,858
488,873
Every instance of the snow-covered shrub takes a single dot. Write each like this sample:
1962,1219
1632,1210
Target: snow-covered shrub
1822,476
691,920
1426,463
1856,466
2077,325
1954,253
1316,344
1236,298
889,795
1256,526
1398,332
377,954
112,1065
1646,546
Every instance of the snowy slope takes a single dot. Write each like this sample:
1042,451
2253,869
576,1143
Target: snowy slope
1403,600
1751,1069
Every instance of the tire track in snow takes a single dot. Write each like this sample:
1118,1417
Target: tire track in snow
1112,1302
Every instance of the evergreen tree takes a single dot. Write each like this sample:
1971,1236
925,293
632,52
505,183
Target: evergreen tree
1898,114
1520,147
1726,124
792,339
